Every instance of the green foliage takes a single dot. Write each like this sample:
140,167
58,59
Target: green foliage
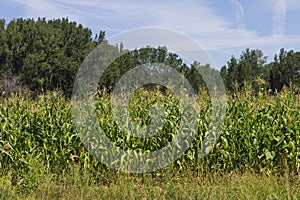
4,51
43,55
39,131
285,69
233,186
150,58
251,69
245,71
261,134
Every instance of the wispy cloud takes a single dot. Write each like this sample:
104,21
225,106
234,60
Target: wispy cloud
49,9
239,13
190,14
291,5
279,18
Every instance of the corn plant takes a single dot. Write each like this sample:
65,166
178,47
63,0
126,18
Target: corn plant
261,133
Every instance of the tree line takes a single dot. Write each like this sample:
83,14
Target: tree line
44,55
252,69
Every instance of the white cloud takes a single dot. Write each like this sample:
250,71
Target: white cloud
49,9
279,18
291,5
181,15
239,13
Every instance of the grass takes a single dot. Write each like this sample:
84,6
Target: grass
173,186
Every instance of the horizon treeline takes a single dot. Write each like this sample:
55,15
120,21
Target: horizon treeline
44,55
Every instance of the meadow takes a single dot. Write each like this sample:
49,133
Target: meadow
255,157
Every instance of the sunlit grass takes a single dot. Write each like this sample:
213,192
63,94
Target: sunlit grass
173,186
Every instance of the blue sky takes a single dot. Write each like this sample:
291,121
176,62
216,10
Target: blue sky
222,27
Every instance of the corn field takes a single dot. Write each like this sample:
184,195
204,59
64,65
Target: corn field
261,133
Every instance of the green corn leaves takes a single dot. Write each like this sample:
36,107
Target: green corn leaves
260,133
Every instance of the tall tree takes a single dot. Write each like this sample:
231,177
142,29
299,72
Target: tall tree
45,55
246,70
284,69
4,50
